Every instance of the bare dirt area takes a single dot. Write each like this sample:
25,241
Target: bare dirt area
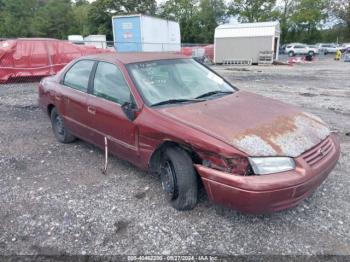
54,199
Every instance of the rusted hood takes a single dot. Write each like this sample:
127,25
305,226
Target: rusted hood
254,124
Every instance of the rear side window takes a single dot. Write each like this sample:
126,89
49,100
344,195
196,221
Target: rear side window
109,83
78,75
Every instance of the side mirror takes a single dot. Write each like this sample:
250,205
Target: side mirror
129,110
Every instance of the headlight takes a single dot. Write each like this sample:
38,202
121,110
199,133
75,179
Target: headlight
269,165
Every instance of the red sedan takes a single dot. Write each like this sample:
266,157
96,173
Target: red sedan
172,115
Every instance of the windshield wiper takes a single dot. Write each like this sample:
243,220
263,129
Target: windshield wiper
211,93
177,101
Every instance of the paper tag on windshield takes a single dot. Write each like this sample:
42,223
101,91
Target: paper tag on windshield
215,78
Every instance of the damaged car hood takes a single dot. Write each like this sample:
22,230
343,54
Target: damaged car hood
254,124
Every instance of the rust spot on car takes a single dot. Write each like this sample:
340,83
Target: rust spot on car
285,136
269,132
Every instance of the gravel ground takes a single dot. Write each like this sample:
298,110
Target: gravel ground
54,199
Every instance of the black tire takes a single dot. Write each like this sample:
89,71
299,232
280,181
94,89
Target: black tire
179,179
312,53
61,133
291,53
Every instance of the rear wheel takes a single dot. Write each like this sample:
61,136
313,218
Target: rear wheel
291,53
61,133
179,179
311,53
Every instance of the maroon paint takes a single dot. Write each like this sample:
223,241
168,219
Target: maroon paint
92,118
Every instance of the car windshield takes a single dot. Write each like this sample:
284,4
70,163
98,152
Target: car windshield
177,81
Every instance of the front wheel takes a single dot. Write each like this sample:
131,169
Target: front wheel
311,53
61,133
291,53
179,179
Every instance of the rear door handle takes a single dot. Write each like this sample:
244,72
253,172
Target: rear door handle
91,110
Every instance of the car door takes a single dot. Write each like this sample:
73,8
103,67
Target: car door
74,98
108,93
325,48
305,49
301,49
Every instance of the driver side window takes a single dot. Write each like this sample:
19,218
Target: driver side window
109,83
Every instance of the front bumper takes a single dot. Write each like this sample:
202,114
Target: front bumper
274,192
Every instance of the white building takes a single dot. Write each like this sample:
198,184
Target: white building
245,41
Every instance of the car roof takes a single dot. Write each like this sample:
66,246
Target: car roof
135,57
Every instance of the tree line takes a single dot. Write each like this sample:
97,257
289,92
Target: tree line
308,21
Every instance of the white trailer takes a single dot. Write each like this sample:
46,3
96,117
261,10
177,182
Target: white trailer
76,39
99,41
142,33
246,41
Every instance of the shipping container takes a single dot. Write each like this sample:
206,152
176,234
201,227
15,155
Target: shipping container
141,33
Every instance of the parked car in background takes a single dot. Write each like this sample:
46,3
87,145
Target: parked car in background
346,54
327,48
344,47
300,49
169,114
282,49
314,47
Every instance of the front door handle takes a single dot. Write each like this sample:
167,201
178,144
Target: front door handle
92,110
